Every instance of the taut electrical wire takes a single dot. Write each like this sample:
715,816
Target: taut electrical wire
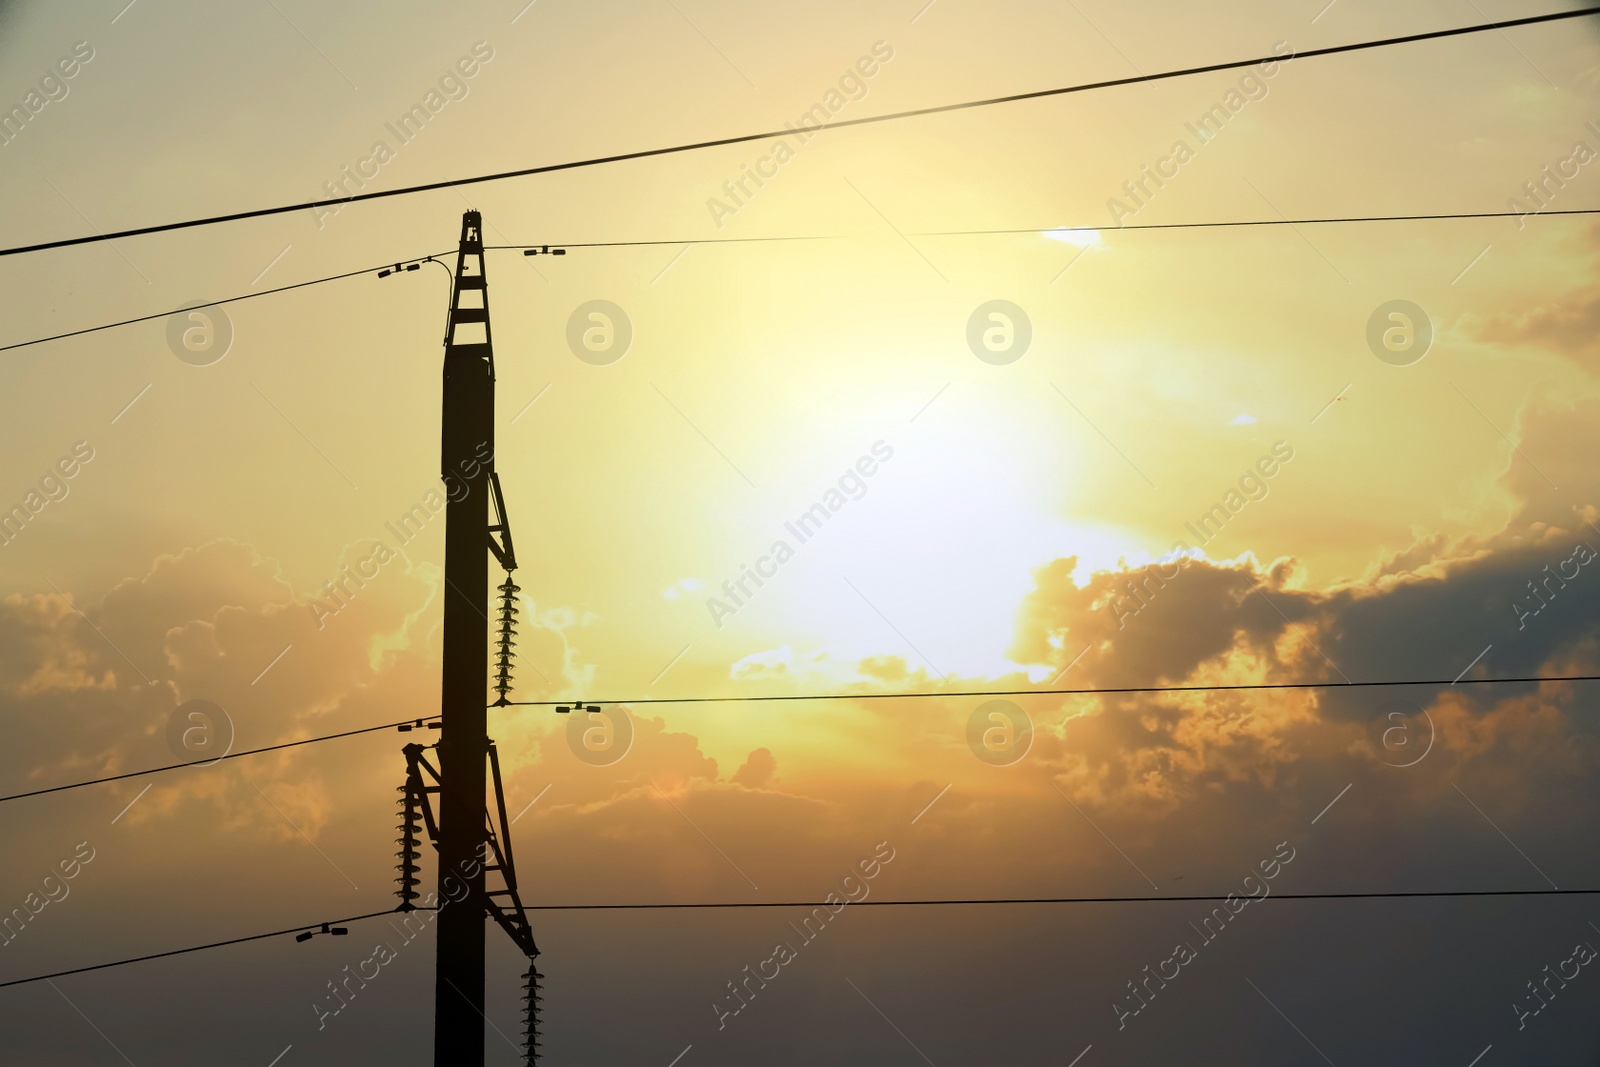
1088,690
1315,221
858,904
649,153
200,948
212,303
789,698
1079,900
1018,230
219,759
1225,224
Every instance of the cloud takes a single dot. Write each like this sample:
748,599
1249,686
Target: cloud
1166,776
683,587
1567,324
92,694
776,661
1429,611
757,769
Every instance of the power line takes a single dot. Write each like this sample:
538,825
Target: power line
383,266
207,304
219,759
794,697
650,153
690,241
1246,686
1325,220
199,948
1322,221
1438,894
1077,900
1223,224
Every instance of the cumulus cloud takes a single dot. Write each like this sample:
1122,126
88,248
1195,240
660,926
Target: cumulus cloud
1148,768
1517,603
757,769
89,687
1565,324
1569,324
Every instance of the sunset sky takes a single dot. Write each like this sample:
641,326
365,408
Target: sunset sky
1382,522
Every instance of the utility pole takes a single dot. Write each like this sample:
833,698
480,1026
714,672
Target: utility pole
466,458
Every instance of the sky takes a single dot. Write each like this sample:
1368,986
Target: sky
1073,454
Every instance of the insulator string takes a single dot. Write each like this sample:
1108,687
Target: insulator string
506,641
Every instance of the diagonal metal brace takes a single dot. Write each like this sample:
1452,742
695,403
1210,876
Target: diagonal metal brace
503,550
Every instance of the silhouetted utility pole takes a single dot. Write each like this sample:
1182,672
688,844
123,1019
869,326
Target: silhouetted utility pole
466,456
462,825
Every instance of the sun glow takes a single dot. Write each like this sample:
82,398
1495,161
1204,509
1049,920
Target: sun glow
1081,238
